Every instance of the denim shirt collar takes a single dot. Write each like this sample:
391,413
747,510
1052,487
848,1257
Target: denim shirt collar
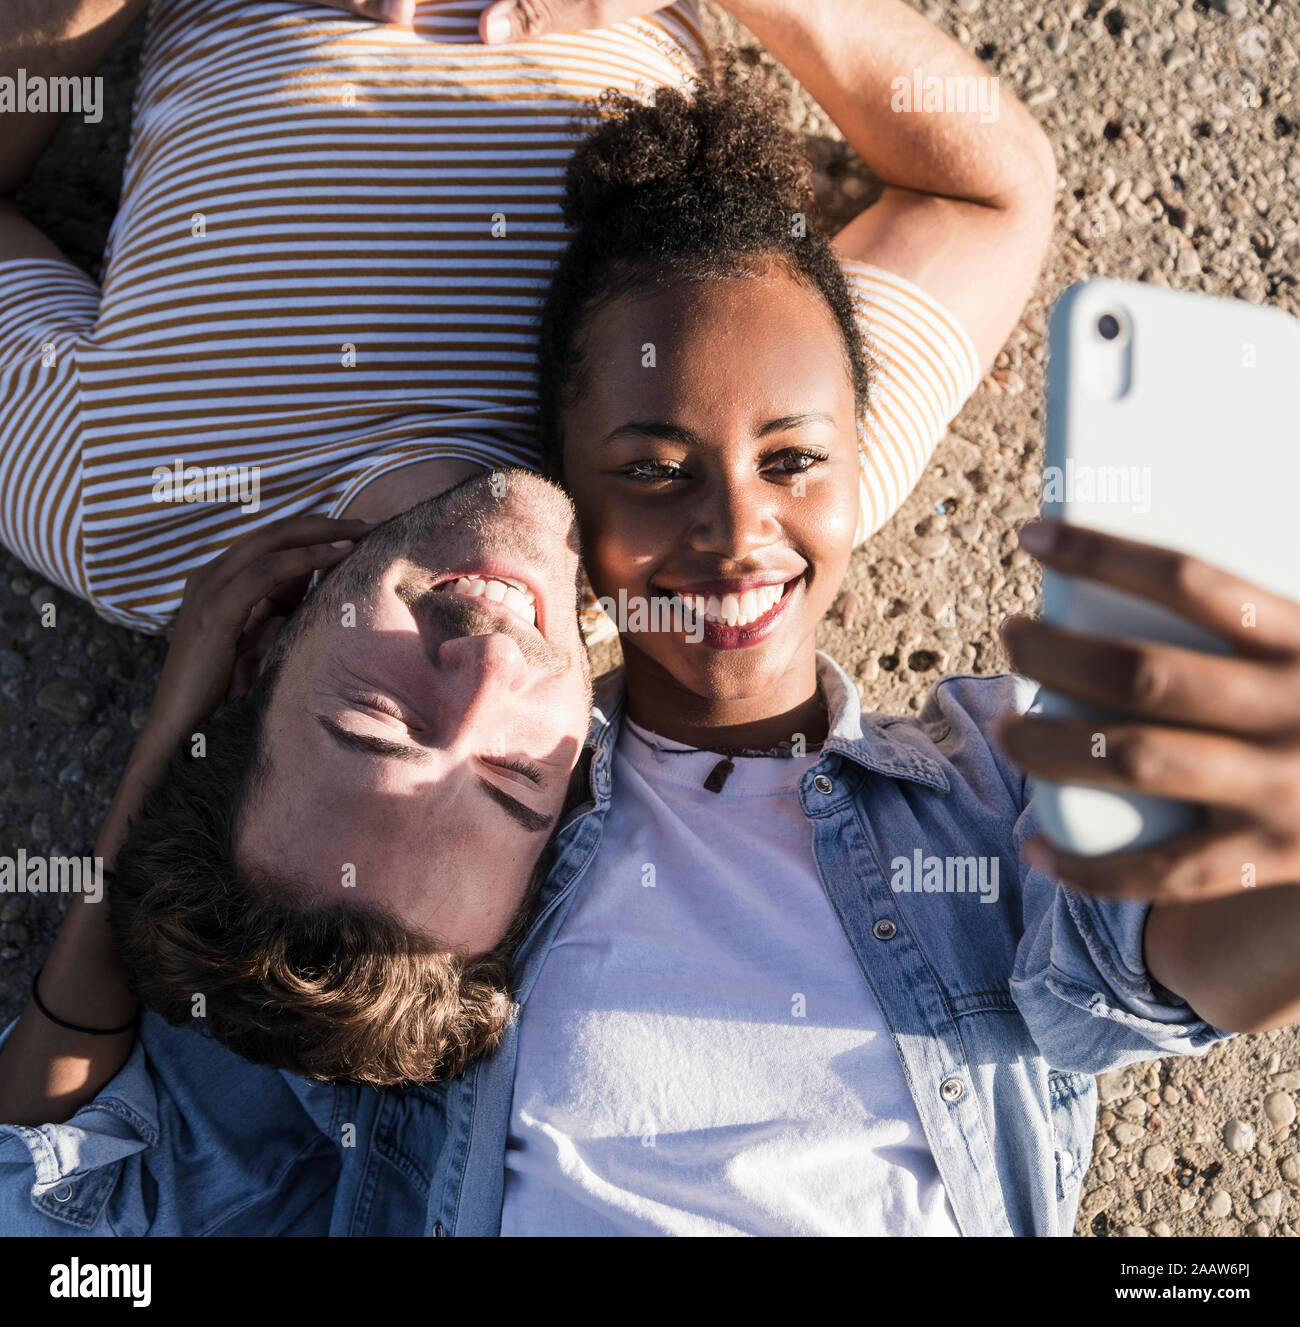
864,739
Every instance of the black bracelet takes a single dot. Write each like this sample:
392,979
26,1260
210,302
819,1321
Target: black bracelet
77,1027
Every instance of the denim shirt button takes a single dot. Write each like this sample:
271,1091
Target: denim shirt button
884,929
952,1089
63,1193
437,1230
823,784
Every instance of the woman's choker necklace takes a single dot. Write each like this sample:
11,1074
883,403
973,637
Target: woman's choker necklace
718,775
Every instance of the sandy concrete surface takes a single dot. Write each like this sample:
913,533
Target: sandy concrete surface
1175,126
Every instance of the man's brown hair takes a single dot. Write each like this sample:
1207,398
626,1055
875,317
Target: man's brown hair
340,991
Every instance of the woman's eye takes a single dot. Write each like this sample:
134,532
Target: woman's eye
797,461
653,470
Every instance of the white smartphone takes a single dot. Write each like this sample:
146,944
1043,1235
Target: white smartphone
1174,419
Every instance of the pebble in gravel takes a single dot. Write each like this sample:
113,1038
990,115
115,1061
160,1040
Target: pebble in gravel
1238,1136
1116,1085
1280,1109
1158,1159
1176,57
70,702
1254,43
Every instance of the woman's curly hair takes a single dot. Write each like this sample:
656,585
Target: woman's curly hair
696,186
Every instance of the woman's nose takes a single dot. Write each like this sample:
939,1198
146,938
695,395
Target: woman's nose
731,519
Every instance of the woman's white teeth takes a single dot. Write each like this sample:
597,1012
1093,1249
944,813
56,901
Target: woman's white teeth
519,599
735,610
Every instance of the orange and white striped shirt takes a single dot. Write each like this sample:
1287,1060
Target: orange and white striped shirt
333,243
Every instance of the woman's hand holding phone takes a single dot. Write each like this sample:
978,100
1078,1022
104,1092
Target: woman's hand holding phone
1219,730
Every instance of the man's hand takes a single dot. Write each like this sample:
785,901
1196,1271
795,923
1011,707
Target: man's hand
524,20
1236,749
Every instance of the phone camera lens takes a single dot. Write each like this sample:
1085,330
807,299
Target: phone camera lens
1108,326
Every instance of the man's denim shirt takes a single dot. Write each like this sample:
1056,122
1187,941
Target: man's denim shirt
1002,1011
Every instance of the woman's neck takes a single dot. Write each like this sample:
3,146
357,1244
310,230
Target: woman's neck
791,707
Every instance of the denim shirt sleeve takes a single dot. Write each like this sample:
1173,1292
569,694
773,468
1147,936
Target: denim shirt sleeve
186,1139
55,1179
1079,977
1081,982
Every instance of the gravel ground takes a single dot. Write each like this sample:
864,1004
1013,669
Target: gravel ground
1175,127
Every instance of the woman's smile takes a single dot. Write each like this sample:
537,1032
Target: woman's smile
736,613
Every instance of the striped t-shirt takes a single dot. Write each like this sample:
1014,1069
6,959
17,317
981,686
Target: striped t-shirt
333,243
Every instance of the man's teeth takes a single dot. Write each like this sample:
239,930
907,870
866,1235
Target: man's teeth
733,610
518,598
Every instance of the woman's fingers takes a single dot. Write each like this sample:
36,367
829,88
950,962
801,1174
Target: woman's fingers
1161,682
289,532
382,11
281,601
1246,616
524,20
1184,764
271,575
1215,862
253,644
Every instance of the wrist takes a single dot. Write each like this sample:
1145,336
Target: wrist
85,926
158,740
127,1024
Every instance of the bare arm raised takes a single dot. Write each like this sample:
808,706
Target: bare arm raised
970,183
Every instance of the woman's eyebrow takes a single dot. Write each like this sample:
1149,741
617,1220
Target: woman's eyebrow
795,421
646,428
637,428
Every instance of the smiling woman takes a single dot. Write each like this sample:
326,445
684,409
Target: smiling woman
708,402
705,396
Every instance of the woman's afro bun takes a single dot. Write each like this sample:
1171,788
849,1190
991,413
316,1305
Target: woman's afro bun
700,184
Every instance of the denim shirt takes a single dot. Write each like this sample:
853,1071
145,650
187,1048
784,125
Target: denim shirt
1004,991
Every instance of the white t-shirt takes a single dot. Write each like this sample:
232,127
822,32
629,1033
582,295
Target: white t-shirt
701,1053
